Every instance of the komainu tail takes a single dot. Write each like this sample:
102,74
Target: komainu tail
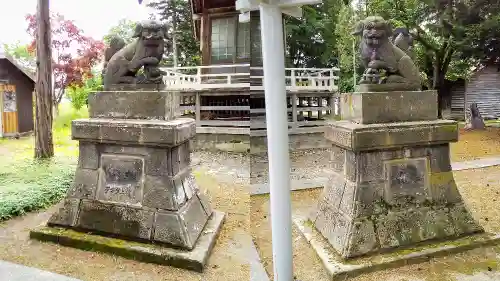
116,43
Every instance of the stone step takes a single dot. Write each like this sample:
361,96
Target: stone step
15,272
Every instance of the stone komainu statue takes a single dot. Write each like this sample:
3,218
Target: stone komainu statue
384,62
122,62
402,39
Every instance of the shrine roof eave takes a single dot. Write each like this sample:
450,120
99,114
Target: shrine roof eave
210,6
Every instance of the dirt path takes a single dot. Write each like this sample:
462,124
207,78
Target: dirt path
228,261
480,189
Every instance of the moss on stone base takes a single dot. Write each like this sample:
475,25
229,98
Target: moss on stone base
192,260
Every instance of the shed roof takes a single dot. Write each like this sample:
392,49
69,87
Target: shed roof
24,70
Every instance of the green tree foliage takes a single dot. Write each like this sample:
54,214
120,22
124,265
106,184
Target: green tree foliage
124,29
311,40
177,13
453,36
22,55
78,95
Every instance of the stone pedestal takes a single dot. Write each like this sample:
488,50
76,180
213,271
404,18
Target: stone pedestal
133,179
391,183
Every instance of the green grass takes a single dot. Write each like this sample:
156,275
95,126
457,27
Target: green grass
27,184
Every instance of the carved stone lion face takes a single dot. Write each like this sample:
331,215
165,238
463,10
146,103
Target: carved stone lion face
151,33
374,31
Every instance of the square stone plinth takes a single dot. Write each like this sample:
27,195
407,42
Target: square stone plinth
342,269
160,105
195,259
377,200
127,131
359,137
386,107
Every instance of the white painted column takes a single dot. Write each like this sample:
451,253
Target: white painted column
273,55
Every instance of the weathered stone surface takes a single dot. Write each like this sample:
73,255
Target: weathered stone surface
399,228
133,105
386,65
180,158
386,107
351,166
437,225
138,132
194,217
67,214
85,184
121,179
406,178
163,192
156,159
340,235
134,181
357,137
195,259
463,221
88,157
368,198
337,159
115,219
170,229
444,189
363,240
205,202
326,220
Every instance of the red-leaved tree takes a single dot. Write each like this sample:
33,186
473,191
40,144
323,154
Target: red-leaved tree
74,54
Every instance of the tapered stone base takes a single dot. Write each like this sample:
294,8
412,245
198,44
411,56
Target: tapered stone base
391,185
195,259
133,179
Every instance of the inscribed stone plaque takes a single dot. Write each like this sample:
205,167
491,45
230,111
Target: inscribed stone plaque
407,178
121,179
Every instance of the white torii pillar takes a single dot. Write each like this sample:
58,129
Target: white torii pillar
273,54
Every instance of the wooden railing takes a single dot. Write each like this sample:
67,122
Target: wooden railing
200,77
305,111
242,75
303,79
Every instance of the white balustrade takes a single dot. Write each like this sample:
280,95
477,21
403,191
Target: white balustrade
220,76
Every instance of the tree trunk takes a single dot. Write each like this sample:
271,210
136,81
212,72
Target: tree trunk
44,146
174,40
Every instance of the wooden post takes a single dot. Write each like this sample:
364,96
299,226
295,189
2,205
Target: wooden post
331,102
309,104
198,109
294,111
320,104
44,146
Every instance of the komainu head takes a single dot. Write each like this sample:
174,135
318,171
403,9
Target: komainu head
151,32
375,30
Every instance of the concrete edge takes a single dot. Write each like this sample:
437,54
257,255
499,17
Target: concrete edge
339,269
194,260
17,272
263,188
257,270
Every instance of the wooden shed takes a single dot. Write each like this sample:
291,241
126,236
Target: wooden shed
17,85
483,88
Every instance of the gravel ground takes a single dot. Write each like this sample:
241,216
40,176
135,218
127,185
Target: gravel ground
305,165
226,167
227,262
480,189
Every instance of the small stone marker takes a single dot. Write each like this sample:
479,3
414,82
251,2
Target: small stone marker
134,180
474,120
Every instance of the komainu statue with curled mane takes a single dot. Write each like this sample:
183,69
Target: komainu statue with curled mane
123,62
386,65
